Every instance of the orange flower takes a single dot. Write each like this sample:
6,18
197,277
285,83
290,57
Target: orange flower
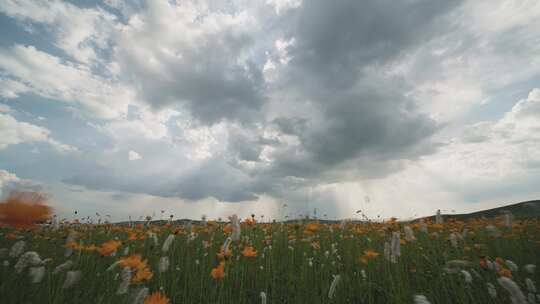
250,221
505,273
132,236
133,262
74,246
24,208
218,273
368,255
312,228
227,229
249,252
109,247
157,298
142,275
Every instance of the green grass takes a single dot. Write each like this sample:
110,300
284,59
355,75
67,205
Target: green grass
281,269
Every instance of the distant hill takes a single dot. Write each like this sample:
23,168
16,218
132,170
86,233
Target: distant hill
528,209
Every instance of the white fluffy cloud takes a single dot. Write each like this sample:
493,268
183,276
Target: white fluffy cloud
132,155
14,132
74,84
77,31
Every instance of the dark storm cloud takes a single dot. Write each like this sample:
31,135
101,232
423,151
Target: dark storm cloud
363,118
334,40
213,178
359,123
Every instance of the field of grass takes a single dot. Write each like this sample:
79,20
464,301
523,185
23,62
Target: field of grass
303,262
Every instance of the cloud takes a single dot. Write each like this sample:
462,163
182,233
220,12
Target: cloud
132,155
77,31
10,181
206,70
52,77
13,132
269,101
493,158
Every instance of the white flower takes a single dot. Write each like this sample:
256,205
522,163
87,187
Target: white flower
387,250
64,266
30,258
491,290
167,243
236,230
421,299
530,268
263,297
37,273
72,278
124,283
516,295
467,275
508,219
530,285
409,234
332,289
17,249
164,264
512,265
141,295
453,240
364,275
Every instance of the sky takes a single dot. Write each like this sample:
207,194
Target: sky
277,108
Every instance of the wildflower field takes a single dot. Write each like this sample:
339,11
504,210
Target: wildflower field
448,261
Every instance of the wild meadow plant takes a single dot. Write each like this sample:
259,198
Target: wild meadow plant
244,261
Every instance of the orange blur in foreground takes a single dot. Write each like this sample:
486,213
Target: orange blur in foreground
24,208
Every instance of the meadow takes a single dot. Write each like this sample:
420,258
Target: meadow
243,261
